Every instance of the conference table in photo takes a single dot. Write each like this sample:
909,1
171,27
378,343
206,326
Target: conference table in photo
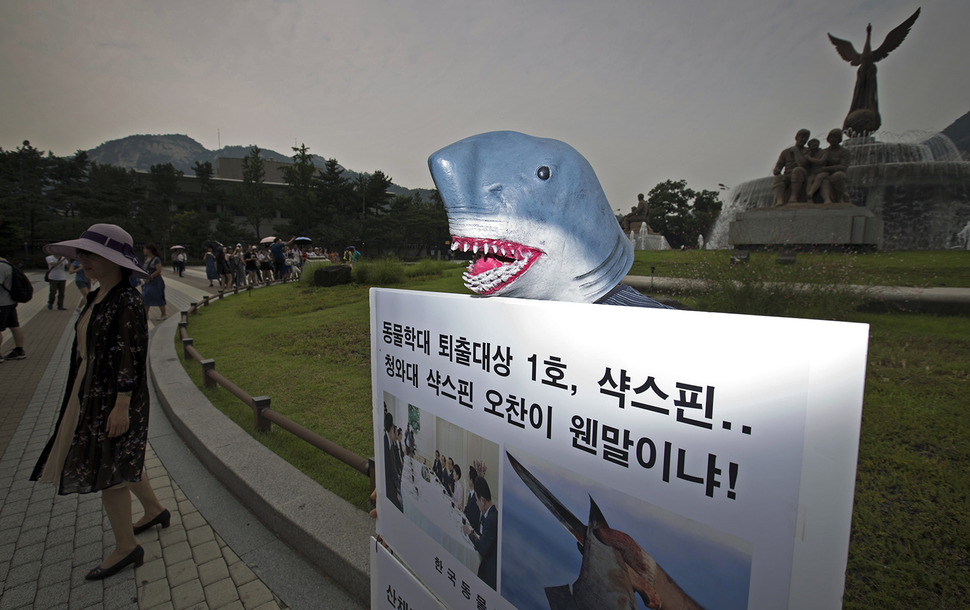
429,506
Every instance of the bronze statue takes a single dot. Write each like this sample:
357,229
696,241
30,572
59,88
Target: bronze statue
863,117
638,213
827,177
790,172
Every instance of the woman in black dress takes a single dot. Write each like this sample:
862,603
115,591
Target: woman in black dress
102,429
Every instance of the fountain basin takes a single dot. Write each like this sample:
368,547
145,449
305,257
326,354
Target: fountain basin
920,191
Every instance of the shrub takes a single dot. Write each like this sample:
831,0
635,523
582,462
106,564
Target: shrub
814,286
427,268
381,272
306,278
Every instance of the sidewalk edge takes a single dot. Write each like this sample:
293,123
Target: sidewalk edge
328,531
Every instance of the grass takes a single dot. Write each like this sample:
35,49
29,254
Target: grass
309,350
924,269
910,542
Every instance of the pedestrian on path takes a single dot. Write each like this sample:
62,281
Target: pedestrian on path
83,283
8,313
211,273
153,290
102,428
56,280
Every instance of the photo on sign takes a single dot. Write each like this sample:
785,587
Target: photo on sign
571,542
430,467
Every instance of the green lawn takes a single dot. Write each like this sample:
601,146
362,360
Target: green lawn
923,269
308,349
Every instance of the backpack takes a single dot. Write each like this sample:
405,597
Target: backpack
21,290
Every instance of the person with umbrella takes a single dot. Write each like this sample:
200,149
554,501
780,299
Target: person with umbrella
278,250
179,258
303,244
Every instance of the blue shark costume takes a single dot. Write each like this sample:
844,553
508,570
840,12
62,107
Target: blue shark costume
534,212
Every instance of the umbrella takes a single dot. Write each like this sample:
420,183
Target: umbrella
211,243
303,239
268,239
177,248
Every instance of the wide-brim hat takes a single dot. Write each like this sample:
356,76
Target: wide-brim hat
106,240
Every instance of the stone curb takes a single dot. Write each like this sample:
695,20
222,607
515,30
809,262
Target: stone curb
328,531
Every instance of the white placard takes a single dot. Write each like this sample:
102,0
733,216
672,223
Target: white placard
393,586
721,447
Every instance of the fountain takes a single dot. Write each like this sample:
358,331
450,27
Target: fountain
910,193
917,184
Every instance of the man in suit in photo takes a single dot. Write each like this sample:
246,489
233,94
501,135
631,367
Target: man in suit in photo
392,472
472,513
485,540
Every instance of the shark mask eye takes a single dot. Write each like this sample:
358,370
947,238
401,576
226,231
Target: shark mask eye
543,173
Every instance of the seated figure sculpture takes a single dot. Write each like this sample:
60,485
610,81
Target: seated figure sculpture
828,178
639,213
791,171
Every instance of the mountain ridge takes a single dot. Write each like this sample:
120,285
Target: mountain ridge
141,151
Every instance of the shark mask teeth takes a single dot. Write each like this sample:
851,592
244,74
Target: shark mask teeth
497,263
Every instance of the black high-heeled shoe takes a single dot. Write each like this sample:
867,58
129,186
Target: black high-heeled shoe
137,557
164,518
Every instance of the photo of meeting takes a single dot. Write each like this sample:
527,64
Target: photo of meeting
445,480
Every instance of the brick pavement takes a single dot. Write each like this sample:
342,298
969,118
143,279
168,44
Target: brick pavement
49,542
19,378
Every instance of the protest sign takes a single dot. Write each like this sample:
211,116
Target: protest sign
393,587
703,459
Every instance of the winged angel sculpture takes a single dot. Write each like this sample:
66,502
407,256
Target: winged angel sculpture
863,117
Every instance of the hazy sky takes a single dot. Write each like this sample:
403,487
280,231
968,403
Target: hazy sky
646,90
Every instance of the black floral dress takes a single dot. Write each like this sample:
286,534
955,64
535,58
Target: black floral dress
116,351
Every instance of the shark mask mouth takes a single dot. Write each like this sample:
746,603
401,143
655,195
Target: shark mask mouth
498,263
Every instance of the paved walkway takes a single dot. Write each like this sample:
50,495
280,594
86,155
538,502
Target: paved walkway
49,542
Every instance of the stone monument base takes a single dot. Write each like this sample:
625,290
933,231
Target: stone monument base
797,225
643,238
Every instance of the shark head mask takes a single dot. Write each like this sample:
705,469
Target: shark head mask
533,212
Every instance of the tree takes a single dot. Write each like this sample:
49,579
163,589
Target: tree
371,190
24,180
69,183
203,173
155,216
301,196
334,191
378,198
681,214
255,202
413,226
333,218
115,192
66,193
